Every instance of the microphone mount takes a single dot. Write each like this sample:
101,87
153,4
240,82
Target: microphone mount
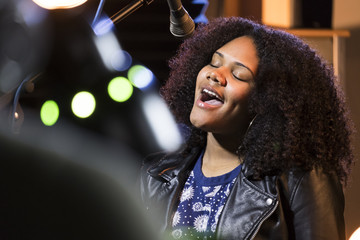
181,24
129,9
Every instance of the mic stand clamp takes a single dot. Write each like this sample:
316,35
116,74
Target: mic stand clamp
129,9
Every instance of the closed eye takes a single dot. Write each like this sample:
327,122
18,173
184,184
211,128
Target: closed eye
216,60
242,74
214,65
241,79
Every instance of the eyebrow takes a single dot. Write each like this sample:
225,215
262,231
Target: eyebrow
238,63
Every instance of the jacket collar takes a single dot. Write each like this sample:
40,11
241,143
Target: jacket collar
247,171
171,164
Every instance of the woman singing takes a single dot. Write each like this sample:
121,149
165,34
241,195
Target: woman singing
268,145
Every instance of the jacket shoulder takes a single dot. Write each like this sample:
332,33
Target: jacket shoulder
298,182
165,163
156,163
316,202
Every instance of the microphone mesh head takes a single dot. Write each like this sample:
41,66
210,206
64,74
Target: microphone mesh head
181,26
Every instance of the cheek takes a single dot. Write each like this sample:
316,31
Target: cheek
201,77
243,97
240,94
202,74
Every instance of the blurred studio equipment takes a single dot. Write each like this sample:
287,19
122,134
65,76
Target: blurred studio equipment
77,115
73,68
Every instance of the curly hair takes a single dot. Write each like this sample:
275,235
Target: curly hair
301,117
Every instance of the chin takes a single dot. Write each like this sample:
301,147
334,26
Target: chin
196,120
204,126
198,124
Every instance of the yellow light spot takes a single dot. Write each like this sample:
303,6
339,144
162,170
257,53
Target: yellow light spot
120,89
83,104
49,113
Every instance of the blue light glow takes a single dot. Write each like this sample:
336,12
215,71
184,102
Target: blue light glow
140,76
103,26
121,60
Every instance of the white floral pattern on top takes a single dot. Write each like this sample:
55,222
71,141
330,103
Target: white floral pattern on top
177,234
201,203
207,208
227,191
187,194
213,193
217,215
197,207
205,189
201,222
176,219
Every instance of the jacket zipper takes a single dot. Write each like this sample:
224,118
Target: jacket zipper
263,220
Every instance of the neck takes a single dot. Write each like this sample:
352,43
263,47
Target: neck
220,155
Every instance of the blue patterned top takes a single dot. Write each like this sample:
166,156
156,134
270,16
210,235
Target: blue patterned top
201,204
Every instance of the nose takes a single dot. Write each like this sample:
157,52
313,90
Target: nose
216,76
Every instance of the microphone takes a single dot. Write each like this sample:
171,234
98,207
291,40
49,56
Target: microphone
181,24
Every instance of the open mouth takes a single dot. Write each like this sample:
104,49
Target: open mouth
211,97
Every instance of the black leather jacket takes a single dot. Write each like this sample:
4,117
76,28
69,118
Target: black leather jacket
297,205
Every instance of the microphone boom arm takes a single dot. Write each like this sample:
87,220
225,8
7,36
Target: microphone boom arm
129,9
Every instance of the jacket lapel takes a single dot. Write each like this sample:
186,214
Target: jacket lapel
173,170
242,218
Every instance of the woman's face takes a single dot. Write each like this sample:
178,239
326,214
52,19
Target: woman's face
223,87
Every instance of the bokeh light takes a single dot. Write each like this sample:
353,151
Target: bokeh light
49,113
140,76
120,89
202,5
59,4
121,60
355,235
161,122
108,48
31,13
83,104
10,76
103,26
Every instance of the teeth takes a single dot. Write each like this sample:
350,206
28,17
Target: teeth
211,93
